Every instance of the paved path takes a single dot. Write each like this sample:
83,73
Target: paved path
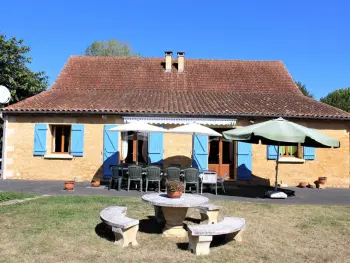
330,196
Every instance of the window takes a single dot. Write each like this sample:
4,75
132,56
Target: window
61,138
289,151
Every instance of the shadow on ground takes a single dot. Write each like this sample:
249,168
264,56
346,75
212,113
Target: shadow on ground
252,191
104,231
217,241
150,226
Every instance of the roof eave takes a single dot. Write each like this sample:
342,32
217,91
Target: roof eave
17,112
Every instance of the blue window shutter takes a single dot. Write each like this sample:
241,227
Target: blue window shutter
110,149
155,147
200,152
309,153
271,152
77,140
40,131
244,161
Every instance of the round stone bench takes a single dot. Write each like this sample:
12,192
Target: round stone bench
123,227
200,236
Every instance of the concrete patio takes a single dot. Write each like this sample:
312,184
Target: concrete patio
329,196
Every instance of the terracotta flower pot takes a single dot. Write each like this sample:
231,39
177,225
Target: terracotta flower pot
95,183
174,194
322,180
69,185
303,184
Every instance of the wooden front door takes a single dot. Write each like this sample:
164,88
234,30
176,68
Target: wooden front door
220,157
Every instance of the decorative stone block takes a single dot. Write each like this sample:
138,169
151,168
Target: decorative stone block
276,195
209,213
199,245
124,237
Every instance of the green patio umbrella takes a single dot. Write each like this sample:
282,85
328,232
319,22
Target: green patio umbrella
281,132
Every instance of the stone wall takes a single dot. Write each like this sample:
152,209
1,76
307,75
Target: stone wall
21,164
332,163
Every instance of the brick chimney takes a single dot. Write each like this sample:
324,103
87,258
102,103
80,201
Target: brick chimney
168,57
181,61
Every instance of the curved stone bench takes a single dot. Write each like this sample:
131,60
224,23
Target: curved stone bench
123,227
200,236
209,213
113,211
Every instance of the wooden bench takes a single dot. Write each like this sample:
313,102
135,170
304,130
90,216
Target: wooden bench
200,236
209,213
123,227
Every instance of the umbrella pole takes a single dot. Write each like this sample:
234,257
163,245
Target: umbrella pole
277,159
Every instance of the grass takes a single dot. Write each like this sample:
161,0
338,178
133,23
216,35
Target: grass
68,229
6,196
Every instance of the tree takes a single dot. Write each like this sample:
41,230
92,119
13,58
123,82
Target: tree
15,74
302,88
111,48
339,98
14,71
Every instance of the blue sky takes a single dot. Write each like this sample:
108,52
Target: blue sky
311,37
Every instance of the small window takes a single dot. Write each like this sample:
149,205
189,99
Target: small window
289,151
61,138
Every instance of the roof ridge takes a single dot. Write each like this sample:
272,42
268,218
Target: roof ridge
162,58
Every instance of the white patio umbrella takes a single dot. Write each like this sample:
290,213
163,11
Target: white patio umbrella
194,129
138,127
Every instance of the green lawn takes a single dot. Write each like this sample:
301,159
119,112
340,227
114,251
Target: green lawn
6,196
68,229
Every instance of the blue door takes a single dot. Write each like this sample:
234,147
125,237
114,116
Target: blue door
200,152
155,148
244,161
110,149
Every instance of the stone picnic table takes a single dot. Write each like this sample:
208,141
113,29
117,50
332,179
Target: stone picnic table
174,210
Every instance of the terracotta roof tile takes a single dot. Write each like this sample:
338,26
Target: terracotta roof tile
207,87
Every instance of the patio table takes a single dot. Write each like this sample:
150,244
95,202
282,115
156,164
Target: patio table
174,210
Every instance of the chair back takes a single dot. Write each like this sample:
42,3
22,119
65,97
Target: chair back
175,165
191,175
135,172
223,178
209,178
115,171
173,173
153,172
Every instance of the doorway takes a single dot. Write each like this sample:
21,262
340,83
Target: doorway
221,155
141,140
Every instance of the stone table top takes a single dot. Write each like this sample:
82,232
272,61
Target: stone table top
186,200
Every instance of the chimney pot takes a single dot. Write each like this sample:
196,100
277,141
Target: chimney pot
181,61
168,57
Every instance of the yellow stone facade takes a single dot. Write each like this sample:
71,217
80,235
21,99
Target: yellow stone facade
21,164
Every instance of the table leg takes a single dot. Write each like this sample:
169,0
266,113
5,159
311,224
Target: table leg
174,218
158,213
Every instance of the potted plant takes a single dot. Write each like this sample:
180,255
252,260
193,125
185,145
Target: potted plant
174,189
303,184
95,183
69,185
322,180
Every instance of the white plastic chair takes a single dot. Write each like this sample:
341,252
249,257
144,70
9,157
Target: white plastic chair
221,181
209,177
